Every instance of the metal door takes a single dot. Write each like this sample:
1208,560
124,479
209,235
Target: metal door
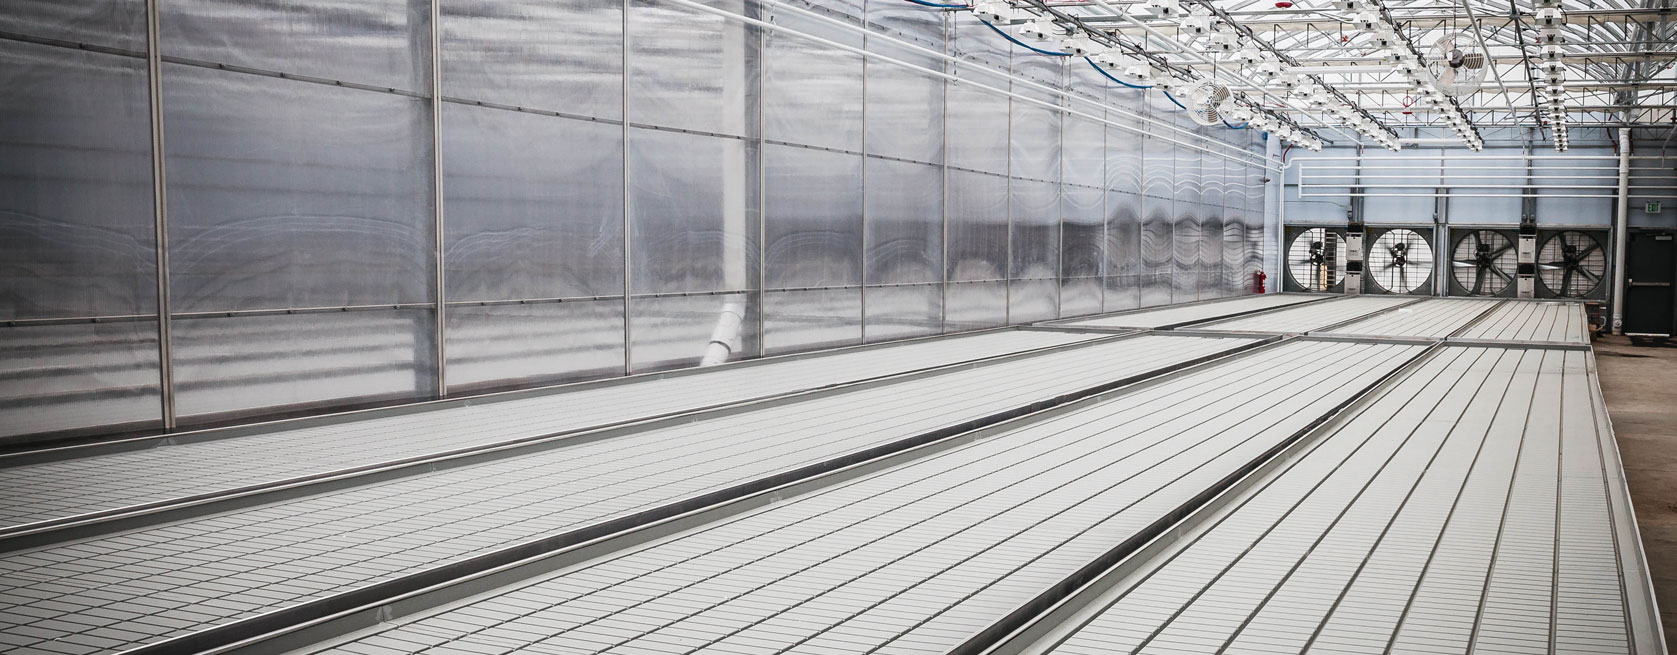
1650,295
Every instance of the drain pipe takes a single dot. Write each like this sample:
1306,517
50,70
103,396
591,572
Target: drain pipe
1621,225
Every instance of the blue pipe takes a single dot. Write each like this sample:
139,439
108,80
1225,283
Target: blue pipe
1110,77
1019,43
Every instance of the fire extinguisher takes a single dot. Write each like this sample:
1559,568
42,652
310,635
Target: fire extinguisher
1258,278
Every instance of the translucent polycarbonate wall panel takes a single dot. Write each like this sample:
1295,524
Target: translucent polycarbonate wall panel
978,118
904,106
303,163
57,378
1035,246
1185,257
1035,137
1553,174
904,222
1157,251
910,310
694,213
510,53
974,305
1082,239
908,22
507,345
1123,251
1124,165
701,72
287,194
1236,279
109,23
1466,176
977,230
534,208
818,318
1408,171
1083,153
383,43
1211,284
1652,180
813,223
77,236
675,331
693,229
241,365
904,209
534,205
813,218
812,93
77,233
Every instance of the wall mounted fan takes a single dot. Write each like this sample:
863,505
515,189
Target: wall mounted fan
1483,263
1400,261
1316,259
1572,264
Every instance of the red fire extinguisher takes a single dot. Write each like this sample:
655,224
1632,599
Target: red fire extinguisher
1258,278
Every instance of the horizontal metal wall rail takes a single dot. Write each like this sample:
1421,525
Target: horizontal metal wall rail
401,584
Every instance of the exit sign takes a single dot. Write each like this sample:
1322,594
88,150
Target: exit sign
1652,208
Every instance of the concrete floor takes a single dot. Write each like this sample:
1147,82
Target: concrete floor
1640,384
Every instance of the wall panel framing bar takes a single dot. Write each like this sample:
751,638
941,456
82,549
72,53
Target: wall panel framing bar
441,279
160,214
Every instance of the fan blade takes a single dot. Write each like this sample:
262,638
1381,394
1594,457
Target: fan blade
1473,60
1476,240
1478,281
1448,78
1566,283
1499,273
1592,276
1403,278
1593,247
1501,250
1460,262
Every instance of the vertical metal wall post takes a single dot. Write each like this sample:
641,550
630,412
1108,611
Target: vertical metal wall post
1007,205
1621,226
628,231
160,215
943,264
863,258
441,278
1275,191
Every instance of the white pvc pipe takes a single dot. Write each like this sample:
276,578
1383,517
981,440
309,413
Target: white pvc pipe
1620,224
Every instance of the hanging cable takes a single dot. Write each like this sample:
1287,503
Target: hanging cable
1110,77
1019,43
923,3
1241,126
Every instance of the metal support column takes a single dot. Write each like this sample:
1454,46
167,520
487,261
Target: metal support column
160,215
440,280
1274,195
1621,223
628,228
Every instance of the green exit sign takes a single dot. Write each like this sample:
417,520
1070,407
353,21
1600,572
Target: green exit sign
1652,208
